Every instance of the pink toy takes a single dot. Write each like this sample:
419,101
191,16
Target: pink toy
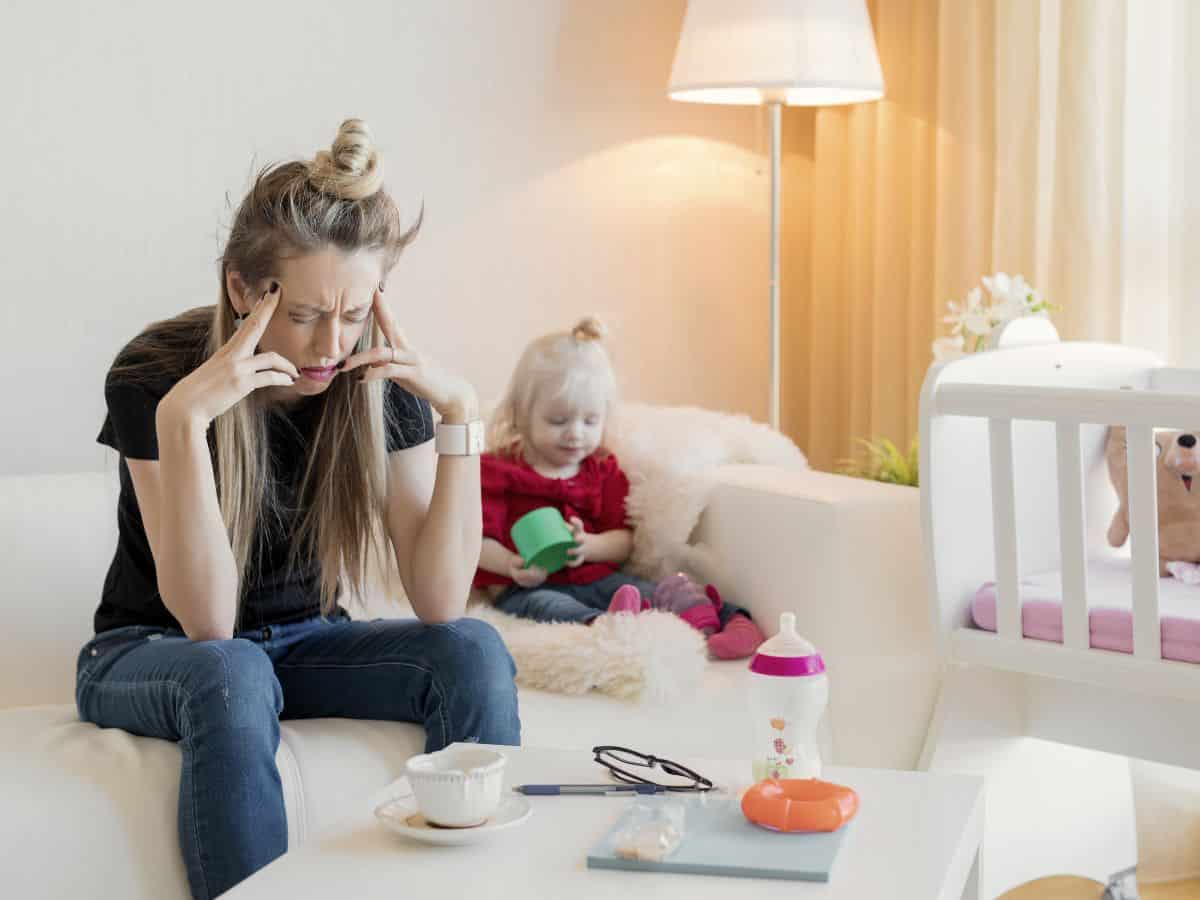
680,595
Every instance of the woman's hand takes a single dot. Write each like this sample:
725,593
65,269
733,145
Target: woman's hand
525,577
585,544
454,398
233,372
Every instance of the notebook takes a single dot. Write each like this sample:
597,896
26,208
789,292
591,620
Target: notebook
718,840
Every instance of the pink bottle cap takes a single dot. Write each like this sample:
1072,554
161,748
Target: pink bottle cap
787,654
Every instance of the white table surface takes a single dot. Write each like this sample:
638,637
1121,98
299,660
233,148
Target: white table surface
916,835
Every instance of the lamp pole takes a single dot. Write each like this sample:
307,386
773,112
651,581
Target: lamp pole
775,111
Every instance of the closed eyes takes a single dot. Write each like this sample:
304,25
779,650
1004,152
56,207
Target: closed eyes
349,317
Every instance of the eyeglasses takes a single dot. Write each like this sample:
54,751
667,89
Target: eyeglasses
678,777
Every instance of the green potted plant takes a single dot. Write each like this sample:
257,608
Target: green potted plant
883,461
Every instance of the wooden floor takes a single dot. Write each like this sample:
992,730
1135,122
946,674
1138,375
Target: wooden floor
1069,887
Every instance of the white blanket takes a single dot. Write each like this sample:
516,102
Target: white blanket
653,656
671,454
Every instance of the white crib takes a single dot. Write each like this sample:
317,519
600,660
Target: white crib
1014,482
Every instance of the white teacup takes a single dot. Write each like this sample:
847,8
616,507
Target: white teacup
458,787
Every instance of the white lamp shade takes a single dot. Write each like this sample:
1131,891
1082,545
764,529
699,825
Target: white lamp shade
802,52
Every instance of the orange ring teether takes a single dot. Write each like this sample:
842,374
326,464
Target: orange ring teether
800,804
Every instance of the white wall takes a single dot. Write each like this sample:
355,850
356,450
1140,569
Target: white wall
557,177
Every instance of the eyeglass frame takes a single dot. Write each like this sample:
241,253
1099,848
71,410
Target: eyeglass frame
670,767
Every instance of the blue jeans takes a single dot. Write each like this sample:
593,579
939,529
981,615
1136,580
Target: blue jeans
581,602
222,702
567,602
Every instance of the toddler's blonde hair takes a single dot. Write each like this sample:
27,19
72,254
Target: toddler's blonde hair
562,361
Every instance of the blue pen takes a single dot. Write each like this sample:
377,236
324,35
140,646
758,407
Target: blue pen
548,790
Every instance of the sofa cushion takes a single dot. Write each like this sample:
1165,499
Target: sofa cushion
93,811
58,533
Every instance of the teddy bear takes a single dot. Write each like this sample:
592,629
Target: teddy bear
1178,489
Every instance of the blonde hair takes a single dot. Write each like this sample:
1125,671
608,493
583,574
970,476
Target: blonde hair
295,208
561,361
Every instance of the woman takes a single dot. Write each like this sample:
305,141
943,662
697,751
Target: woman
275,450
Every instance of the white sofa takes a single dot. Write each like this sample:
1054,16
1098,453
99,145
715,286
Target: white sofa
92,812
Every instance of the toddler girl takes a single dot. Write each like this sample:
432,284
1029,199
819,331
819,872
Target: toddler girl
547,449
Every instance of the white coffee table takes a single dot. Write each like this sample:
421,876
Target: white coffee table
916,835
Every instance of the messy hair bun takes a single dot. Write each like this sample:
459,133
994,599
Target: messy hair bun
352,169
589,328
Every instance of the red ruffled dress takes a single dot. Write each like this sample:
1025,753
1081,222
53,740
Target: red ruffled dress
511,488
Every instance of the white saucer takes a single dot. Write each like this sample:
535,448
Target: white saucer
403,817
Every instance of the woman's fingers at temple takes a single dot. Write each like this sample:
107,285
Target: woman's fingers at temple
251,332
388,325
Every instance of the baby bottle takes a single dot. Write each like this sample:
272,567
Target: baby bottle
788,695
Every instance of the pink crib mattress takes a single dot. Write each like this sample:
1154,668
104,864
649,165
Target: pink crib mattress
1110,615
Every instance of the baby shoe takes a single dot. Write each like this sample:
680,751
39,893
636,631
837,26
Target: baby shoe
702,617
710,590
738,639
626,599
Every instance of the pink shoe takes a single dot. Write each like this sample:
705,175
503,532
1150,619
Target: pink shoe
626,599
710,591
703,617
738,639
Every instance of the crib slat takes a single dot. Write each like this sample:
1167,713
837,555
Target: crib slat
1004,529
1143,536
1072,544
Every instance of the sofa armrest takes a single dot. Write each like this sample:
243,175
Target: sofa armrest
844,554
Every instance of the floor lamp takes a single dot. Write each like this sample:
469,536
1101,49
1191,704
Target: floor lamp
776,52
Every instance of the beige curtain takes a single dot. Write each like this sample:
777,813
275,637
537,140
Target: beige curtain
1050,138
888,211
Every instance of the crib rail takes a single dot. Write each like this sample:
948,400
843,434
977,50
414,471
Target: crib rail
1095,406
1070,408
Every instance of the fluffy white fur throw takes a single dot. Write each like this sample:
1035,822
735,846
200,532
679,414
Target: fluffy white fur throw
653,656
671,454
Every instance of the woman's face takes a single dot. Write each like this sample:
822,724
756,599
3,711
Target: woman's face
324,306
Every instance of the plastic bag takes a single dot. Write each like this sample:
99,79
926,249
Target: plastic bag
652,831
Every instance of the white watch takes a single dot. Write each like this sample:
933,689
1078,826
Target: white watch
459,440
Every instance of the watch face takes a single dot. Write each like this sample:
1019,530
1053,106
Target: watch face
460,440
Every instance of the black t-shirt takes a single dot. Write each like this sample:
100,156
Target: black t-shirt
273,595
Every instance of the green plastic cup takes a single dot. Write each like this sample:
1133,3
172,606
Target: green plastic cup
543,539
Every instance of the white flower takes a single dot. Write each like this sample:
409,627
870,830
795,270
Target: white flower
1011,296
997,285
1010,308
977,322
1020,287
972,311
976,318
948,348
